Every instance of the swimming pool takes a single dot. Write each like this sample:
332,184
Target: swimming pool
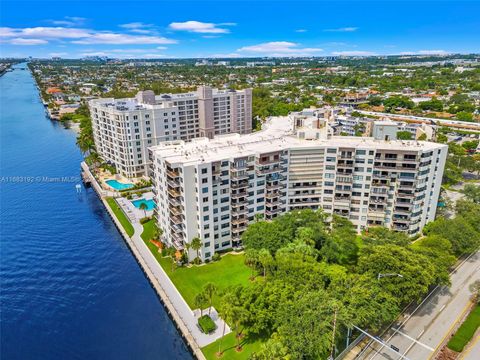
150,203
118,185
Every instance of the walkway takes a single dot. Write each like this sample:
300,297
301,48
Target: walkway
181,307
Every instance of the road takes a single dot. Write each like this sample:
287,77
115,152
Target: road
419,335
418,119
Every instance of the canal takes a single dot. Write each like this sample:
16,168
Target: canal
70,288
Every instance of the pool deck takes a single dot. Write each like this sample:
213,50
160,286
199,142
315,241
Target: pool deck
133,213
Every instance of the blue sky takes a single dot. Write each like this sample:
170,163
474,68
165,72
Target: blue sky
170,29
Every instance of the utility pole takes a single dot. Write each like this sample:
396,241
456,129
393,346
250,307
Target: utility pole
333,333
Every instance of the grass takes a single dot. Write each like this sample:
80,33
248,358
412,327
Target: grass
148,229
229,270
228,343
466,331
127,226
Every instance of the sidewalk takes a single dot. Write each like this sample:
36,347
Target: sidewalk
181,307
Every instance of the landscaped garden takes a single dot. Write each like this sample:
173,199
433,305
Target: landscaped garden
466,331
127,226
250,344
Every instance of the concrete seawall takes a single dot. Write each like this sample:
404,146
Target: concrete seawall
180,324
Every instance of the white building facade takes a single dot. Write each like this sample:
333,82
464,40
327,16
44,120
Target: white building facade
213,188
123,129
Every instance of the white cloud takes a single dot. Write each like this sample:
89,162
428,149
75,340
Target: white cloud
210,36
80,36
200,27
301,30
279,48
23,41
343,29
353,53
69,21
139,28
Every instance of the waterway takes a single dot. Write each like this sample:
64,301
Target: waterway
69,286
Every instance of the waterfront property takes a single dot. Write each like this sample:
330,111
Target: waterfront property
213,188
124,128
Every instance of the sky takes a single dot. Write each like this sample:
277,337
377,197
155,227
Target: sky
230,29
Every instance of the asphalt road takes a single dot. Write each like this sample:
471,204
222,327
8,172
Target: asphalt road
424,330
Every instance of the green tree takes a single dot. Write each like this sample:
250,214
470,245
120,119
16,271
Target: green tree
266,260
143,206
200,301
209,289
251,260
472,192
404,135
416,270
196,245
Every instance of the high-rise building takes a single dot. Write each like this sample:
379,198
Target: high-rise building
123,129
213,188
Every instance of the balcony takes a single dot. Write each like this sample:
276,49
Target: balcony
238,195
238,177
273,211
176,219
173,174
274,194
175,210
174,201
269,171
240,220
172,183
240,212
239,184
239,203
174,193
275,187
238,229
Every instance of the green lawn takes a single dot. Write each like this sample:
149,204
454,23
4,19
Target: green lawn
466,331
148,229
120,216
249,346
230,270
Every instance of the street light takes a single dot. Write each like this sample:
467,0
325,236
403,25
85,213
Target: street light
387,275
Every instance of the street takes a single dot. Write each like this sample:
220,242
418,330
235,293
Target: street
419,335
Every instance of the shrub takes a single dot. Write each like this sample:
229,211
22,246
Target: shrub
206,324
197,261
216,257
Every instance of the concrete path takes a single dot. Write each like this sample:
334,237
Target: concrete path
188,316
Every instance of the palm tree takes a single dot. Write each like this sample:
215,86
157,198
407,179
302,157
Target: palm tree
209,290
199,301
266,259
196,245
143,206
171,252
187,250
251,260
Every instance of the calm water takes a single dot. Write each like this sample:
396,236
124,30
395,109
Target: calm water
70,289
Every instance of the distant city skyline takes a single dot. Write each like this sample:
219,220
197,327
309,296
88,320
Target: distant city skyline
233,29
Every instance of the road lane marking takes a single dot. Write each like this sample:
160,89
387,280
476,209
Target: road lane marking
415,340
455,322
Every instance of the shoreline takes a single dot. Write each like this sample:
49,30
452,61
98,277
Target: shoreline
184,332
156,285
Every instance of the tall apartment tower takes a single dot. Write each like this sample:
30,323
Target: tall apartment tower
213,188
123,129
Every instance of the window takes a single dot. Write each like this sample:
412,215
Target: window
204,190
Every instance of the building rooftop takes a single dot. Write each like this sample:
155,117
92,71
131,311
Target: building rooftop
277,134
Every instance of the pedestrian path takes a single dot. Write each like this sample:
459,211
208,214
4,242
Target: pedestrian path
188,316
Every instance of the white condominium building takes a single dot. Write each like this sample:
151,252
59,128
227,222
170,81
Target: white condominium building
213,188
123,129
